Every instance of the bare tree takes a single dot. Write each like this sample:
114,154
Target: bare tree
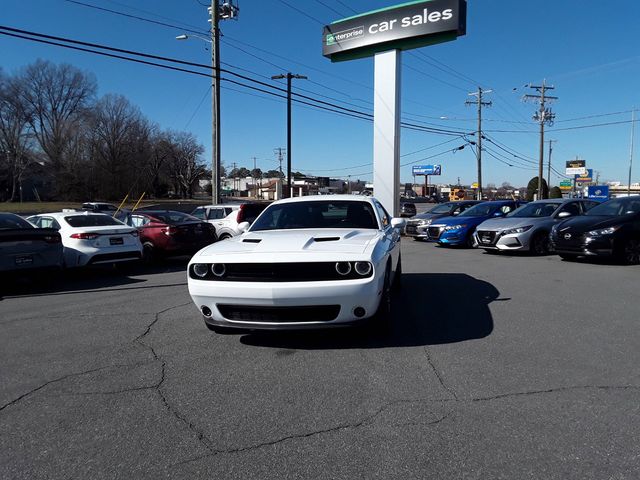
16,139
55,97
185,164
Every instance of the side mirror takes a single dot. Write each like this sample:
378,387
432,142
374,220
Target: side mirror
398,222
243,227
498,214
564,214
457,212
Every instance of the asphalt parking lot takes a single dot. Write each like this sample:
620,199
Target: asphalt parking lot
507,367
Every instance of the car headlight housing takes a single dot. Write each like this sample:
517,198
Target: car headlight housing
511,231
603,231
455,227
200,269
425,222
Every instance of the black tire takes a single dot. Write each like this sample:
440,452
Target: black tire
540,244
568,257
148,253
629,253
397,280
417,239
382,318
470,242
224,236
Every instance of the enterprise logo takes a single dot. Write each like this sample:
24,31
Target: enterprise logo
345,35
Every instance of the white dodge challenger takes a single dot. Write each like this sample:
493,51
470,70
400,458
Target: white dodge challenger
307,262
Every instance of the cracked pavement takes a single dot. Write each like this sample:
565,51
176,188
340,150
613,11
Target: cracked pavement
496,367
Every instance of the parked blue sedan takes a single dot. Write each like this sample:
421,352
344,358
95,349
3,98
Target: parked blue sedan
459,230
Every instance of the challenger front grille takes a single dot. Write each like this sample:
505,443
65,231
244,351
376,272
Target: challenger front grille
281,272
268,314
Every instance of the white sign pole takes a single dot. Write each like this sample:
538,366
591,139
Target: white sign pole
386,130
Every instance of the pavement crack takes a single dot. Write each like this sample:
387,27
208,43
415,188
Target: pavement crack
438,375
346,426
155,320
555,390
56,380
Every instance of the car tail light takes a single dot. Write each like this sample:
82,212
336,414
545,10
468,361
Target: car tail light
52,239
84,236
169,230
241,214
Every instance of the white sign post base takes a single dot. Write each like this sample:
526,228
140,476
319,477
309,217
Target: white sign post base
386,130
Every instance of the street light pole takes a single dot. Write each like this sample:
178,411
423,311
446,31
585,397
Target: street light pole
289,76
215,103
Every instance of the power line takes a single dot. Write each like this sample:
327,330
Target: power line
301,12
206,94
330,8
346,6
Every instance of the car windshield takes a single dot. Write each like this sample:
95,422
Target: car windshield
444,208
535,210
13,221
173,218
480,210
317,215
91,220
616,207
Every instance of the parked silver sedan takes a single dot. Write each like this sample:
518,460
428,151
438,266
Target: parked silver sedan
527,228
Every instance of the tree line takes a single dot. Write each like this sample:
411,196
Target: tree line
60,141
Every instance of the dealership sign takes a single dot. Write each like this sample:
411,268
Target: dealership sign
427,170
401,27
599,192
576,167
587,177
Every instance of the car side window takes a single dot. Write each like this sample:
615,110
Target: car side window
572,208
139,221
588,205
48,222
216,213
198,213
384,216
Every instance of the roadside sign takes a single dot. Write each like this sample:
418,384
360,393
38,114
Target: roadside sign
600,192
586,177
576,167
427,170
566,185
474,185
457,194
400,27
445,190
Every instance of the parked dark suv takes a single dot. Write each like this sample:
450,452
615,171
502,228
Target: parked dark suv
610,229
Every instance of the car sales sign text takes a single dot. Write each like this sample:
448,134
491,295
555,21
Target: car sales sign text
405,26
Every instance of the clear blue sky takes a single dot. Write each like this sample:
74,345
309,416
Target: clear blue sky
588,50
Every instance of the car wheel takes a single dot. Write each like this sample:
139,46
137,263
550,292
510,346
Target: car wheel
540,244
148,253
631,252
568,257
417,239
470,242
224,236
397,279
382,317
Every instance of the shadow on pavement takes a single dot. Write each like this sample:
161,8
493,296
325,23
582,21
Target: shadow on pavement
118,276
431,309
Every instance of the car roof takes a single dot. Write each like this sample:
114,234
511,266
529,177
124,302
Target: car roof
556,200
228,205
70,214
328,198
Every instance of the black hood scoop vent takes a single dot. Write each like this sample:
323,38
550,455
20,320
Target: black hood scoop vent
326,239
252,240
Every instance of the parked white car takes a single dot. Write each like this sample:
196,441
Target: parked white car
92,238
226,218
306,262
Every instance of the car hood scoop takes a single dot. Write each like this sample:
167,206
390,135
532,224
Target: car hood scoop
296,241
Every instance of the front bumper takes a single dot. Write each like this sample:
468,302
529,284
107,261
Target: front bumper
494,240
347,294
584,246
417,231
453,237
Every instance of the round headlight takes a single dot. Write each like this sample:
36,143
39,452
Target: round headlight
363,268
201,269
343,268
218,269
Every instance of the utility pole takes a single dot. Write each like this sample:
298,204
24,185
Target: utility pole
280,152
543,116
633,123
253,174
289,76
480,104
217,12
549,165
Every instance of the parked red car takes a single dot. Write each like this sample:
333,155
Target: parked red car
167,233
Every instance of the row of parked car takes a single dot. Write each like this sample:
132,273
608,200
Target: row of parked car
568,227
100,233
